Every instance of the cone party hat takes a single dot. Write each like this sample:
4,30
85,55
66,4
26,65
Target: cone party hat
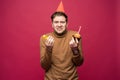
60,7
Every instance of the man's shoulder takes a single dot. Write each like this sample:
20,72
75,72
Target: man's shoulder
45,34
72,32
50,33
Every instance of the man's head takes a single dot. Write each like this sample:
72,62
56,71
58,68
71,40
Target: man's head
59,22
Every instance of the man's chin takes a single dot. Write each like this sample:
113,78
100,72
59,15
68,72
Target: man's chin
60,32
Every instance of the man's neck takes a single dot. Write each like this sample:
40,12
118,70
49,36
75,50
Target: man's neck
61,34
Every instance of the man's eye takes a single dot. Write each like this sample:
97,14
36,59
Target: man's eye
55,21
62,21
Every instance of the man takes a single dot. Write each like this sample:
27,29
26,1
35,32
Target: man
61,53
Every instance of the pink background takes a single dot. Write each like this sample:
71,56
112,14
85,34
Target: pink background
22,22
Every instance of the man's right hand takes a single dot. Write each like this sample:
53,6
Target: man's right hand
49,41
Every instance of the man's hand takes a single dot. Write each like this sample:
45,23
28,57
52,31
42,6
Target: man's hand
74,42
49,41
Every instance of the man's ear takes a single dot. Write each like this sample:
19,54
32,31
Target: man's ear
66,25
52,25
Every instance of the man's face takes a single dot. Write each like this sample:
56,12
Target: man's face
59,24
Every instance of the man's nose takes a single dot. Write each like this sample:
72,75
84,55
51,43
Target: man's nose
59,24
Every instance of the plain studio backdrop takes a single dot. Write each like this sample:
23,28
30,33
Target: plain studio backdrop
22,22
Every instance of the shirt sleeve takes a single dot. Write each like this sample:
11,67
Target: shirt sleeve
45,55
77,54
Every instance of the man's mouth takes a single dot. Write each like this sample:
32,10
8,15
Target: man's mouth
59,29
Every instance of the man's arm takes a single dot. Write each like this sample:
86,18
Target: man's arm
76,47
45,55
77,55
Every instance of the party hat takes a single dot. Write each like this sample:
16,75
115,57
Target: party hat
60,7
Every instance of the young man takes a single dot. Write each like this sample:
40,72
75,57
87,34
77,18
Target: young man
60,52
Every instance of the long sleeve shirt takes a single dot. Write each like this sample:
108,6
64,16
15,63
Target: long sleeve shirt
60,61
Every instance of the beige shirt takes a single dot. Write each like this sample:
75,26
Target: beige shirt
60,63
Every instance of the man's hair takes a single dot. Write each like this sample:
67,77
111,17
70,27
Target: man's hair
59,14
